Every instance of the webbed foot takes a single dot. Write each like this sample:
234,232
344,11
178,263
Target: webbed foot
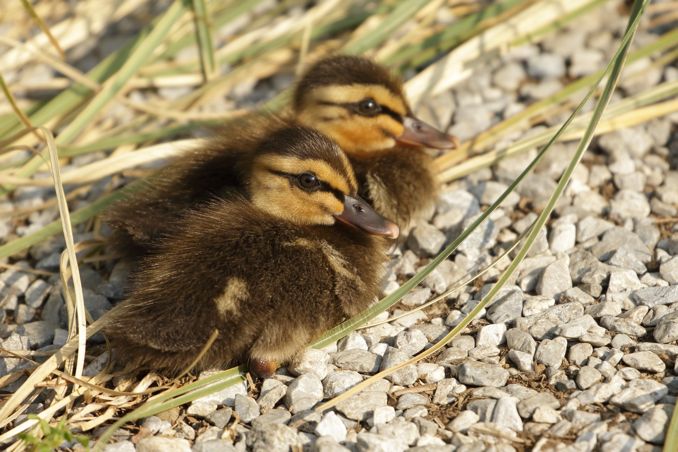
263,368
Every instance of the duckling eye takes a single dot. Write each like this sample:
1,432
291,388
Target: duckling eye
368,107
308,181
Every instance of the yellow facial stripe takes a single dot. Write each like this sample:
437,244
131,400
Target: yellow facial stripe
341,94
322,170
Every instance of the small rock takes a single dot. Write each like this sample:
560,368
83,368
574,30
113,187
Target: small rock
426,240
246,408
587,377
372,442
522,360
383,415
310,360
38,333
546,415
303,393
520,340
640,395
579,353
652,425
162,444
463,421
339,381
361,406
272,438
506,414
645,361
481,374
272,391
405,376
653,296
36,293
669,270
551,352
416,297
358,360
546,65
411,342
555,278
562,237
491,335
331,425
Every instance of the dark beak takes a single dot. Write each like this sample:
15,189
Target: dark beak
357,212
418,133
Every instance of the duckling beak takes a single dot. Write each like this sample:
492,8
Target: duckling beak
418,133
358,213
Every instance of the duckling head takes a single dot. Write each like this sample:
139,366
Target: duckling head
361,106
302,177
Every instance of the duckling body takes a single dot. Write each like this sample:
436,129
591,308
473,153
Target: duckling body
270,272
403,196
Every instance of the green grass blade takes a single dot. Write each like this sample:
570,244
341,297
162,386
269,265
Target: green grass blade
137,58
401,14
43,26
452,35
204,37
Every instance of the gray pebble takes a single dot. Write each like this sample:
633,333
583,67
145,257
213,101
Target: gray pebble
652,425
546,65
645,361
426,240
272,438
272,391
357,360
405,376
339,381
162,444
640,395
551,352
587,377
246,408
481,374
303,393
312,361
505,414
579,353
669,270
360,407
331,425
555,278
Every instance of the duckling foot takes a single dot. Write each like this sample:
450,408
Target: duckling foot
263,368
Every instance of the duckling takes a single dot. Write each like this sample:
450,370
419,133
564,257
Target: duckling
352,100
270,269
362,107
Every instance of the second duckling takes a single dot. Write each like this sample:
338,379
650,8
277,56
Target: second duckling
269,272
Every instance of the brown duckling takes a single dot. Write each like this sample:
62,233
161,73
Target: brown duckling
269,271
362,107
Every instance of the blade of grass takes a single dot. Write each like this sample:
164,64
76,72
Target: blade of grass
614,68
454,34
671,440
204,37
43,26
70,247
403,12
15,107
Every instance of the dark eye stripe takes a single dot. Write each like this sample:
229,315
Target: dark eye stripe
353,107
324,186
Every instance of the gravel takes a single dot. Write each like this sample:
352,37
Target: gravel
577,352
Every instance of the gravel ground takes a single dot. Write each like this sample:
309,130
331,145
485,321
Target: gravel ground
577,353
